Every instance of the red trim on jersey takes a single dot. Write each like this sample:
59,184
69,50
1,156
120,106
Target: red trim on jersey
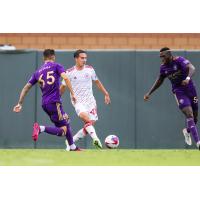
70,69
88,66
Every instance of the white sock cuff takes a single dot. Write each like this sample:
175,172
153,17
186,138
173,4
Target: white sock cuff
42,128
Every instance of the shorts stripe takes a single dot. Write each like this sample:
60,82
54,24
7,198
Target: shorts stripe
176,99
60,116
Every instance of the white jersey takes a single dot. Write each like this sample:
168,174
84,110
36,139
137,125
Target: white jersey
81,81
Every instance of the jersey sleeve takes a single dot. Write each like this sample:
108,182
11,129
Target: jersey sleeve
33,80
183,62
94,76
162,72
60,69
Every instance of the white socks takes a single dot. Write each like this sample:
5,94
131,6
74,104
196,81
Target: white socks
79,135
73,146
90,129
68,147
42,128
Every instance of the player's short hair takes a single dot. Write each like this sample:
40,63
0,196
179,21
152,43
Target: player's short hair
165,49
77,52
48,53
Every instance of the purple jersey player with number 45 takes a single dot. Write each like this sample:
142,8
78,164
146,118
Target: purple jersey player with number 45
48,77
179,71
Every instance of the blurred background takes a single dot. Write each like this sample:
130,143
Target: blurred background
102,41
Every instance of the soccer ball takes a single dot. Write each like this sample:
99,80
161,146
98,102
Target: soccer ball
112,141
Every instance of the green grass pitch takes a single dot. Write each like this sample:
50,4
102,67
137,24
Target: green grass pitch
118,157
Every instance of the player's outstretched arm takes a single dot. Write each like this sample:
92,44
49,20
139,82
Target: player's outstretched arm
68,84
155,86
23,93
104,91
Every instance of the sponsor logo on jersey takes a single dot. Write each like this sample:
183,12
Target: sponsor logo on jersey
181,101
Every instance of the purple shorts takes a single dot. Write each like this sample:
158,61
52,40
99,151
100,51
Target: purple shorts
56,114
188,98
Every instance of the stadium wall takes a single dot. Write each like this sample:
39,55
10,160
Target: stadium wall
102,41
126,74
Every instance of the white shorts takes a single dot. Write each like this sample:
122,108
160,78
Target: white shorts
91,110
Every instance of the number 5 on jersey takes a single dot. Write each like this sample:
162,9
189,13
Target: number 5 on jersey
50,79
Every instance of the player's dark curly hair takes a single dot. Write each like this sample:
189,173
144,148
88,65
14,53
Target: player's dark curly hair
48,53
76,53
165,49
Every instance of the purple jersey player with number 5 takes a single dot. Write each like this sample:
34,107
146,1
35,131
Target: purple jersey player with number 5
179,71
48,77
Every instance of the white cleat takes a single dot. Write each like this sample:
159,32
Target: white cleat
198,145
67,146
188,139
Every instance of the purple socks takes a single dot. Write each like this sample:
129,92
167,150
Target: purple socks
59,132
54,130
69,135
191,127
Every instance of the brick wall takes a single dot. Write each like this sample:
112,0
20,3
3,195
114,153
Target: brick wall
102,41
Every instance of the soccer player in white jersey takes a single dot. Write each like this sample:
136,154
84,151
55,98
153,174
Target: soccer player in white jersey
81,77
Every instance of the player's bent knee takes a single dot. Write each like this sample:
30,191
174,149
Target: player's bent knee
92,122
188,112
189,115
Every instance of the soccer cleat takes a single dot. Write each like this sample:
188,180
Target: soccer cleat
97,143
77,149
36,131
188,139
198,145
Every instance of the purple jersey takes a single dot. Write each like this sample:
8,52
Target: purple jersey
48,77
176,72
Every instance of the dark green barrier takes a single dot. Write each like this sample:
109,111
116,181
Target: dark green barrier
16,69
127,75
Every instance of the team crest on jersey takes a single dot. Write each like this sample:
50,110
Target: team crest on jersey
181,101
175,67
86,75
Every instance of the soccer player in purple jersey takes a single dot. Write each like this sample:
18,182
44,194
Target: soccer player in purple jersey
179,71
48,77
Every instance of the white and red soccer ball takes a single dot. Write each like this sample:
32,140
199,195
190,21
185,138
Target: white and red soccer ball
112,141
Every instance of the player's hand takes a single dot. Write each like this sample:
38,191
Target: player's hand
185,82
146,97
17,108
73,98
107,99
